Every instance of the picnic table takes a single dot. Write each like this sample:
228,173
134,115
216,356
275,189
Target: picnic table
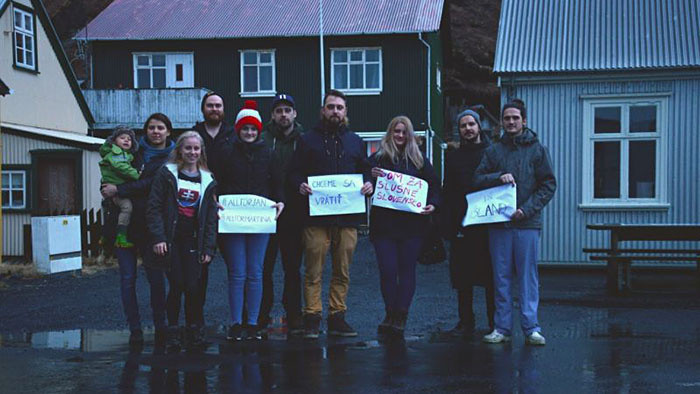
619,259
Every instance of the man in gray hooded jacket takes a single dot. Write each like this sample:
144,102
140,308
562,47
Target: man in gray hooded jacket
519,159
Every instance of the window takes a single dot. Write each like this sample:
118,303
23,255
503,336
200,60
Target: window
14,189
357,70
623,151
163,70
258,73
24,40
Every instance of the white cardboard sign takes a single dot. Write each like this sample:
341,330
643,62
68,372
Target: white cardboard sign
247,213
401,192
494,205
336,195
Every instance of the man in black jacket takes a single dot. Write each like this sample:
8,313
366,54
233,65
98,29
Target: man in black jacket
329,148
282,135
217,134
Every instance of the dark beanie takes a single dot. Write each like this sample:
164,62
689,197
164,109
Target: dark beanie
471,113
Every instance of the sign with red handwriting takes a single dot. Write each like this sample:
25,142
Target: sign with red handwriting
401,192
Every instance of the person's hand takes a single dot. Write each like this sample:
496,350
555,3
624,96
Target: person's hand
205,259
517,215
108,190
377,172
305,189
507,178
160,249
428,209
367,189
219,208
279,207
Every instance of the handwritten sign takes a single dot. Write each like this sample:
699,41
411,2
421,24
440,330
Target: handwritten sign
247,213
336,195
492,205
401,192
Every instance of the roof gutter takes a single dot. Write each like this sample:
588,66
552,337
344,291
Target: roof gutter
429,137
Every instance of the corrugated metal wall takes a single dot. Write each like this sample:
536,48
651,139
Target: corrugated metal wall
555,112
15,150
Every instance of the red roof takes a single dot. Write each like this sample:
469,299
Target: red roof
200,19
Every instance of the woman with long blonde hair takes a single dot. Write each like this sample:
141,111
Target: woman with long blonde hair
398,236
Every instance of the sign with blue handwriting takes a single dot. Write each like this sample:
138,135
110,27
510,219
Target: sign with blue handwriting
336,195
247,213
494,205
401,192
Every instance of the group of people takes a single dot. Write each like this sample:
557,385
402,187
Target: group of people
163,196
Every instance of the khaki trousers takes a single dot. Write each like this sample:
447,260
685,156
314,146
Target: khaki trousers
317,241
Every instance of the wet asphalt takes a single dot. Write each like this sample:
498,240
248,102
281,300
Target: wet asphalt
66,334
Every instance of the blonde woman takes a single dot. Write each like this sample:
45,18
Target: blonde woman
398,236
182,221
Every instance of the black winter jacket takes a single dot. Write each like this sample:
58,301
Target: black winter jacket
393,224
460,165
529,163
138,191
251,168
215,148
324,152
162,214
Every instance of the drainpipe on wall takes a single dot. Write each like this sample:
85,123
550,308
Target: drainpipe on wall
429,136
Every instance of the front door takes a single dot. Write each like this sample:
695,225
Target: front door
180,70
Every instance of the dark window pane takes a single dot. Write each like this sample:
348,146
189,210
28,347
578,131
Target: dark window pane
143,78
356,76
28,23
356,56
606,170
17,181
642,169
5,198
250,79
142,60
373,76
266,57
266,78
178,72
340,56
372,55
340,77
607,120
17,198
5,181
29,56
643,119
250,58
158,77
18,19
159,60
20,55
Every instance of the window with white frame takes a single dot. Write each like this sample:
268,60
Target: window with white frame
163,70
14,189
356,70
623,151
258,73
24,33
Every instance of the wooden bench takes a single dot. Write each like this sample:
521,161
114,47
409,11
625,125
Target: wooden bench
619,260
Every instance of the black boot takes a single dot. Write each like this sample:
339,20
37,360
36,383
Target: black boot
338,327
465,326
398,324
385,326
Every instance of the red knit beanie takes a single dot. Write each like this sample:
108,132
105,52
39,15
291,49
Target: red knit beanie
248,115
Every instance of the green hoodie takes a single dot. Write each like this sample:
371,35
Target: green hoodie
115,165
282,146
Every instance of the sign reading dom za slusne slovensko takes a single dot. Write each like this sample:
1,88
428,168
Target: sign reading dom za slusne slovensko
247,213
401,192
336,195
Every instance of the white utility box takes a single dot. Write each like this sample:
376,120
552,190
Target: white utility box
56,243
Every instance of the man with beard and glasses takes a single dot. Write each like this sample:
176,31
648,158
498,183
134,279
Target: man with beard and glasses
282,135
216,134
329,148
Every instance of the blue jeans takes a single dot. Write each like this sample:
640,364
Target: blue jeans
156,280
516,250
397,260
244,255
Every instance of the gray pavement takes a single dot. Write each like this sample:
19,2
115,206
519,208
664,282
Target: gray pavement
66,334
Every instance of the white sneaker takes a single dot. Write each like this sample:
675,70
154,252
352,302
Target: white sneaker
495,337
535,339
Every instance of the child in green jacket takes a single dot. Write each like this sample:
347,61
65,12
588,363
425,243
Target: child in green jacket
116,169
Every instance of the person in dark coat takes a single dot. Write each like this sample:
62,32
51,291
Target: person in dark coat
250,169
398,236
330,148
153,152
521,160
470,260
182,221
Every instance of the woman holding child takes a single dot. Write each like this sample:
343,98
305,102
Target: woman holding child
398,236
